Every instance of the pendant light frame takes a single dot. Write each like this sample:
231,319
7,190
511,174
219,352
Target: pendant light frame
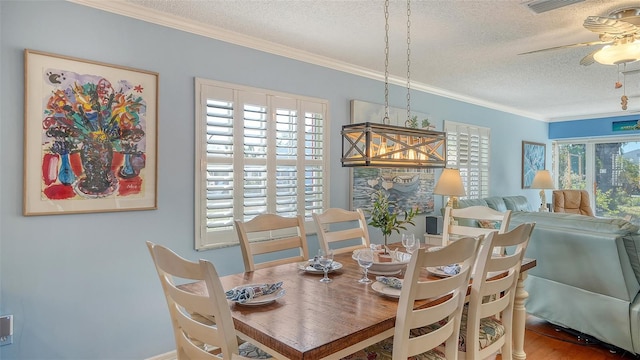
371,144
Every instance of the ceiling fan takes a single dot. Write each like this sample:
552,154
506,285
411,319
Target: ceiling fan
619,32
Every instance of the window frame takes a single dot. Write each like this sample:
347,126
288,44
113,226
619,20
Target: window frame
205,239
590,158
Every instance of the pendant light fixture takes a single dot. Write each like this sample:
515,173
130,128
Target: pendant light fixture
373,144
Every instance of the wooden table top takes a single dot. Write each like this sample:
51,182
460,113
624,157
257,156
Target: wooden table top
314,319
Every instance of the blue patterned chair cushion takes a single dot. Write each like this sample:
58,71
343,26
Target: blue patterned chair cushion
384,349
249,350
491,329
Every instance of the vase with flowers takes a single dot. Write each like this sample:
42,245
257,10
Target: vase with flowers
386,216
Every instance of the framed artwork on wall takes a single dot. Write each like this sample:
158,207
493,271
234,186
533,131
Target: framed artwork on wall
533,159
409,188
90,136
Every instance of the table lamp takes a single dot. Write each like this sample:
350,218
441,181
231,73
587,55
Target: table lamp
542,181
450,184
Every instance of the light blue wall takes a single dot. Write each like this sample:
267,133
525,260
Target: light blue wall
83,286
590,128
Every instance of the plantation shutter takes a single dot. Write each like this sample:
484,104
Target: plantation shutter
468,149
265,153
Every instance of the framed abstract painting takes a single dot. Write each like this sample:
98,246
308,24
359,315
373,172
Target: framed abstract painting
90,136
533,159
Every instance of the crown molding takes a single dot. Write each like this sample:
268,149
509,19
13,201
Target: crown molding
124,8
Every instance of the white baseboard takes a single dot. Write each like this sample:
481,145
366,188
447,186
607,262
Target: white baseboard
171,355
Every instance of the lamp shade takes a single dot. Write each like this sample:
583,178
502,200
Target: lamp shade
450,183
542,180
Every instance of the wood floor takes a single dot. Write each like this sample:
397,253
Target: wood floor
543,341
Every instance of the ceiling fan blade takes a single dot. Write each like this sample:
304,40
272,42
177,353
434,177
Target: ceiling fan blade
588,60
590,43
599,24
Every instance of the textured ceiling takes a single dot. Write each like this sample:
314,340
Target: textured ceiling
462,49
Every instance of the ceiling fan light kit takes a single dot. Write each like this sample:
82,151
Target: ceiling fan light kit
618,54
619,32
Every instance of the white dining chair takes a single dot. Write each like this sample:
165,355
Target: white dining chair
487,320
419,332
342,227
272,234
473,221
202,324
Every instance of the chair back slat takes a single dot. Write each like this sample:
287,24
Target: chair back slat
452,227
340,227
270,233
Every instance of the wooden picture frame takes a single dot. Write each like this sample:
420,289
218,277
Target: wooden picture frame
533,159
90,136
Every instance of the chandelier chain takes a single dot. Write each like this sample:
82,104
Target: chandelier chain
408,61
386,62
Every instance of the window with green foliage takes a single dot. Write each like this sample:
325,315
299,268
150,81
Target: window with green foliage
608,168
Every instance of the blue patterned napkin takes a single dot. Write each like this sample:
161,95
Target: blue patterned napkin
452,269
315,263
243,294
393,282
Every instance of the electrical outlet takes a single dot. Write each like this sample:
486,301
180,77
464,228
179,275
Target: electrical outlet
6,330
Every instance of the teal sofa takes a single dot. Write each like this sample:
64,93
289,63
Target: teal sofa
500,203
587,276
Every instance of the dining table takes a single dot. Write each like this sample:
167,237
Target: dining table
316,320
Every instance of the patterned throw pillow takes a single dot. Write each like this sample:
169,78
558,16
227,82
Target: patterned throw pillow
490,224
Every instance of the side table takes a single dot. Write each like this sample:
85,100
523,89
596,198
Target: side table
433,239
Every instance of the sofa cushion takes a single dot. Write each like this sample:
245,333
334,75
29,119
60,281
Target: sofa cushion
575,222
471,202
496,203
517,203
490,224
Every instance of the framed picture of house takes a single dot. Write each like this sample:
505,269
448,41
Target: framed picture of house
90,136
533,159
408,188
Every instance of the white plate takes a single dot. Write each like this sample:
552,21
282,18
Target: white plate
305,265
384,273
264,299
385,290
398,263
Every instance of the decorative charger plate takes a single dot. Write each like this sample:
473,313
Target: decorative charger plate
383,289
306,266
261,300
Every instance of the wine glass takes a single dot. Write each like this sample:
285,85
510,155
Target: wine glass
413,246
365,260
325,259
408,241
